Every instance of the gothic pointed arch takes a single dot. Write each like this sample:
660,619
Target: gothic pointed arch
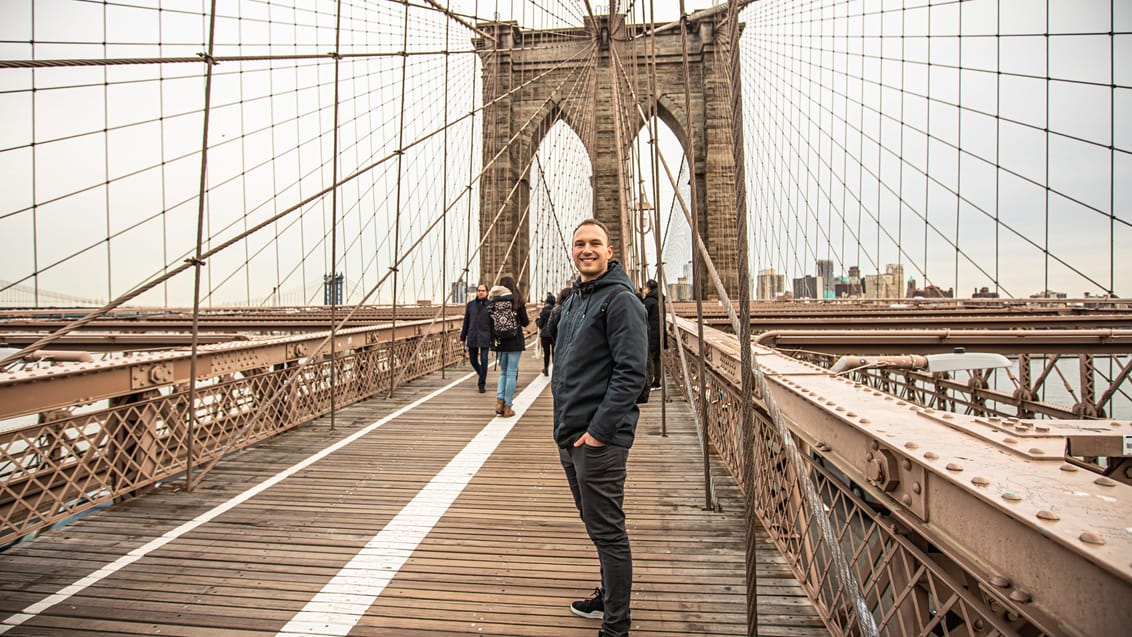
532,79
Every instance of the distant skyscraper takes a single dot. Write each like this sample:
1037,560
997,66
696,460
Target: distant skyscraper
459,292
332,289
681,290
825,273
770,284
808,287
889,285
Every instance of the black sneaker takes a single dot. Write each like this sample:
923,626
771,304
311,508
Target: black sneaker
592,608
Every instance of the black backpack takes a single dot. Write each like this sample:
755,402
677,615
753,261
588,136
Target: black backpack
644,396
504,324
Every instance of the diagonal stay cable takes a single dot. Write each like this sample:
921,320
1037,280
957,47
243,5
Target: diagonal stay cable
171,272
866,622
290,384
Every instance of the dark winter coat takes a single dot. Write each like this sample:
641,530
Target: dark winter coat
476,331
652,310
517,342
600,361
543,320
551,328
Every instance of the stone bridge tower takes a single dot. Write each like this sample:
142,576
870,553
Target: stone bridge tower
532,79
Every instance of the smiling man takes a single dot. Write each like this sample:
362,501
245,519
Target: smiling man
599,371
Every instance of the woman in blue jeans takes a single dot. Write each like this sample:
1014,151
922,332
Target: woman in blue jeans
509,347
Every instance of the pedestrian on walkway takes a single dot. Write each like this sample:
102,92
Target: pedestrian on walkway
543,323
556,314
652,312
599,373
476,334
508,313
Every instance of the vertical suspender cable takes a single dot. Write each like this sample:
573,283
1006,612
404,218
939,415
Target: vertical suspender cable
196,260
106,160
34,168
662,292
746,429
334,287
397,217
444,217
471,169
697,270
1045,180
997,150
1111,159
958,154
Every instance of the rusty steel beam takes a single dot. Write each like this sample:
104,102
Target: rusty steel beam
41,389
120,341
929,341
956,320
232,320
844,307
997,498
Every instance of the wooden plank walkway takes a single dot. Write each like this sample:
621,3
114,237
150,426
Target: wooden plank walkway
506,558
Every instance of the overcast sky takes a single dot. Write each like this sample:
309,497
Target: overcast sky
863,147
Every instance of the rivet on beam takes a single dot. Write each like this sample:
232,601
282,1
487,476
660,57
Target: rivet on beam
980,481
1048,515
1021,596
1000,582
1011,496
1068,467
1088,537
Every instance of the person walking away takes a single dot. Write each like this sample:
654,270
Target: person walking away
508,313
476,334
599,373
556,314
543,323
652,312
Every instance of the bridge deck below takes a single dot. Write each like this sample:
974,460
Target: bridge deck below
505,557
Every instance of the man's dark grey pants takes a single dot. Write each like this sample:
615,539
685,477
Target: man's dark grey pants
597,480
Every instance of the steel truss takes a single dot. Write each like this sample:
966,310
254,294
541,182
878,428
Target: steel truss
948,526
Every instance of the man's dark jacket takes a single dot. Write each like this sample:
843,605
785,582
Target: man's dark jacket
476,331
600,361
652,311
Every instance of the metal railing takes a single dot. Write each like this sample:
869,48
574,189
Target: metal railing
880,525
137,427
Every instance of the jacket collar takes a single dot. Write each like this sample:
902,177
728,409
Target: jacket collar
613,275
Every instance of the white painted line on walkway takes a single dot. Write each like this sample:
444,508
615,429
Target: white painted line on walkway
335,610
169,536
